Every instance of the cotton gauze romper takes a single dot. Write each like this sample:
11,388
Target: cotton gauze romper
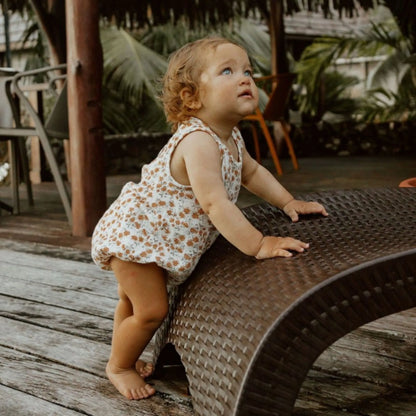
158,219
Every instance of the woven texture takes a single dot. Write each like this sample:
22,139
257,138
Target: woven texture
248,331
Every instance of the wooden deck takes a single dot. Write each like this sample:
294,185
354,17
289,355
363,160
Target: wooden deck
56,320
56,316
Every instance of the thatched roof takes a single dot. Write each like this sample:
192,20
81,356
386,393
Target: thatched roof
215,11
139,12
133,13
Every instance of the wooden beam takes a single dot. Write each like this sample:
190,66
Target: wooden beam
280,63
84,58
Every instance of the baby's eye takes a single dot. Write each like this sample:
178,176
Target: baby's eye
248,73
226,71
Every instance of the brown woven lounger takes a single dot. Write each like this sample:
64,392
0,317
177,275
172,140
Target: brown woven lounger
248,331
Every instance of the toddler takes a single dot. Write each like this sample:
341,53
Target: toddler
155,232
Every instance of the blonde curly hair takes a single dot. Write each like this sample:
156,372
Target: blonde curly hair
183,74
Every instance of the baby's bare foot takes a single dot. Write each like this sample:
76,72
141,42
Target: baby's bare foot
144,369
129,383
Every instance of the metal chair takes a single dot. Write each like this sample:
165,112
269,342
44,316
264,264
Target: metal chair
55,126
274,111
18,157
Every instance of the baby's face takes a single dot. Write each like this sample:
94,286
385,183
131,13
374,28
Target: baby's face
227,88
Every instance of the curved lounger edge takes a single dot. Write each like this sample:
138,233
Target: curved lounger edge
321,316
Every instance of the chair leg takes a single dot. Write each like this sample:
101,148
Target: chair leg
289,145
50,157
14,165
271,145
256,143
25,169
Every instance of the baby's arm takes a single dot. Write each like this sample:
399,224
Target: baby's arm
262,183
202,162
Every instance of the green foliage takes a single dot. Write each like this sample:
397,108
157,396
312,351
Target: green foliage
256,41
380,103
129,66
337,99
167,38
384,105
135,62
131,75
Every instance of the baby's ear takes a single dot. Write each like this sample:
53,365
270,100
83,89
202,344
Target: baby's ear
189,99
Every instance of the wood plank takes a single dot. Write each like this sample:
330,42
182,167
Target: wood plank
371,357
78,353
325,383
82,392
324,394
402,324
89,270
16,403
58,250
325,412
89,303
36,230
28,226
338,391
75,351
368,370
77,323
68,350
395,403
92,281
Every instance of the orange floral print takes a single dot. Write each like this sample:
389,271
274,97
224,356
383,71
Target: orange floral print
159,220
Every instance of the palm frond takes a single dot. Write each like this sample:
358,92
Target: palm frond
382,39
130,67
392,66
334,97
167,38
120,116
256,40
385,105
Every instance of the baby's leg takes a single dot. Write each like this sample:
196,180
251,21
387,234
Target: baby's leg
144,368
123,310
145,287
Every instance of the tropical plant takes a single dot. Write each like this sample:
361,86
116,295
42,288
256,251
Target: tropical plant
386,105
135,62
131,75
382,102
336,102
32,34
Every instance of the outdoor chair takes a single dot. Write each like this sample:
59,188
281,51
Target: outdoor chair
278,94
55,126
17,147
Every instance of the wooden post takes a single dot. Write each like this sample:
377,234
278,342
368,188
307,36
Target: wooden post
280,63
85,115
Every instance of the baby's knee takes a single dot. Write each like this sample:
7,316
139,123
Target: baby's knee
153,318
122,294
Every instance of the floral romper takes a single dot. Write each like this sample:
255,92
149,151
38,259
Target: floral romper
160,220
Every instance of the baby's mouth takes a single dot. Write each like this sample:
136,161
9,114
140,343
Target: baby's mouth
246,93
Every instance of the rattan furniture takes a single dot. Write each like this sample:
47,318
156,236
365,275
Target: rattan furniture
248,331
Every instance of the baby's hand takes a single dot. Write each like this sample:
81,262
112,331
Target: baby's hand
279,246
296,207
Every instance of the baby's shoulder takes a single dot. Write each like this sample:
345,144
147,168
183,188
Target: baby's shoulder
190,125
192,130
